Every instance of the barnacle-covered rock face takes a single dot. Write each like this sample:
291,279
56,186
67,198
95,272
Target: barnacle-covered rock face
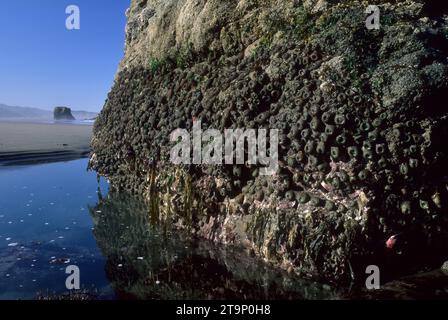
363,173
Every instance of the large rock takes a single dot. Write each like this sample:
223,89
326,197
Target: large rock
63,113
363,174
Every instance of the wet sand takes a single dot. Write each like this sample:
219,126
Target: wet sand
27,143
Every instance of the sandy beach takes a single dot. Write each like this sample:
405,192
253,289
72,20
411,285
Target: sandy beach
26,143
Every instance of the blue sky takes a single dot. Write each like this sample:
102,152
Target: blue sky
42,64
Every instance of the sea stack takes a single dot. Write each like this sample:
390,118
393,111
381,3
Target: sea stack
63,113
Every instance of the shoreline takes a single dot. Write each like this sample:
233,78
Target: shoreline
30,158
25,143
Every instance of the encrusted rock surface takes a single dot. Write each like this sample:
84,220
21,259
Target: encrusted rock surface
363,162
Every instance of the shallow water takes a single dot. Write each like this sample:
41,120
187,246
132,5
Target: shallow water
55,215
44,221
48,121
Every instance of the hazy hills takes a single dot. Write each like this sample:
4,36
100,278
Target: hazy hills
15,112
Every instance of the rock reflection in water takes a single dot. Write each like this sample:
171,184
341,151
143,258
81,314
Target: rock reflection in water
147,262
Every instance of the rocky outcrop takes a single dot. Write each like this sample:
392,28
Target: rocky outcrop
445,267
63,113
363,175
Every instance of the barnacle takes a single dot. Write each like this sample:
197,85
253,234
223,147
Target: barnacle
424,204
405,207
334,152
303,197
290,195
312,161
365,126
404,169
320,148
315,201
309,147
329,129
352,151
305,133
362,175
367,153
413,163
326,116
315,123
339,119
436,200
380,148
341,139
